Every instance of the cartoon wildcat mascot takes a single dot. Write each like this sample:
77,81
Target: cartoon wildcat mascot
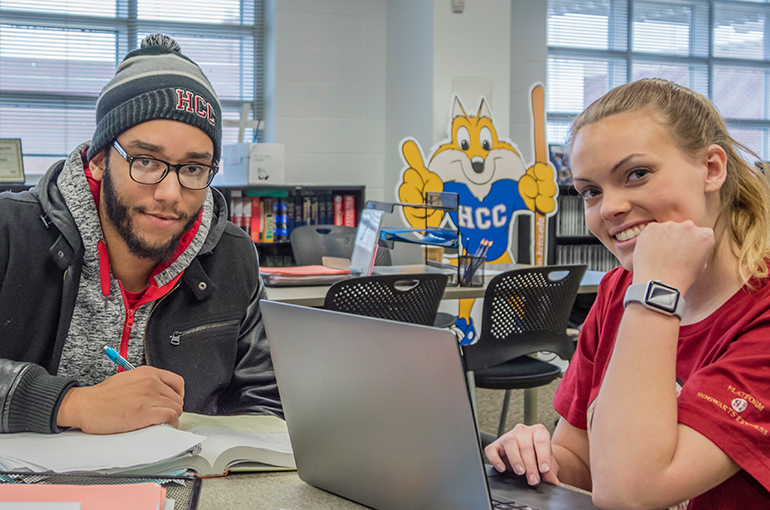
492,183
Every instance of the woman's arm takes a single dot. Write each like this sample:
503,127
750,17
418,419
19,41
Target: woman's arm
640,456
571,449
636,441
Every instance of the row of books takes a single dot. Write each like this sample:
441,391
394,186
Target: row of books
570,220
271,219
596,256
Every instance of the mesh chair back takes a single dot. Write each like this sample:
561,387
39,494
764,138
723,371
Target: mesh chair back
405,298
525,311
310,243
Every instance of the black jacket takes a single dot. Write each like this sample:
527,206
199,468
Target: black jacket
208,329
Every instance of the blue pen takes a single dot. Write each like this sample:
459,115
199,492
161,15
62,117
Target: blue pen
117,358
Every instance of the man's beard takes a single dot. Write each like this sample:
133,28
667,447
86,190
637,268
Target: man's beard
121,216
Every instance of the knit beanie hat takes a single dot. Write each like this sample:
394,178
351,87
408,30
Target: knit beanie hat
157,82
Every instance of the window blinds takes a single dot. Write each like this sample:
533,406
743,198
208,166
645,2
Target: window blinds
56,55
719,48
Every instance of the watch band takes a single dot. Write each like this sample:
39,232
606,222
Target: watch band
656,296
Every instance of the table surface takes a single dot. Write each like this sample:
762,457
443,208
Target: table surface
267,491
314,295
272,491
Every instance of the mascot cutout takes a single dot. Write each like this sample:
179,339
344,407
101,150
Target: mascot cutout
492,182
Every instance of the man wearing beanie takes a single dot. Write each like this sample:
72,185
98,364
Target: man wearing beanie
125,244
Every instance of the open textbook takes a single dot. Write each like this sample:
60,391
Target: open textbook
236,443
207,445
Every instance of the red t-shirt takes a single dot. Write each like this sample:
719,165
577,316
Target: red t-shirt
133,298
723,370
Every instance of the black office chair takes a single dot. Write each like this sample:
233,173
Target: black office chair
410,298
525,311
310,243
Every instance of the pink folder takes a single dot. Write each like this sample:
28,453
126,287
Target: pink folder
302,270
129,496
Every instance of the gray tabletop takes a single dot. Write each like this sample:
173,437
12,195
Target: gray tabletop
272,491
267,491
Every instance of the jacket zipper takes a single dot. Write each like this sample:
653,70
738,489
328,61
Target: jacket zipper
128,324
144,337
176,336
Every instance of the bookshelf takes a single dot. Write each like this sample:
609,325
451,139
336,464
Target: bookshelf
300,204
570,240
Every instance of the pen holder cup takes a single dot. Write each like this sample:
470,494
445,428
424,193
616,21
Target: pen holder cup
471,271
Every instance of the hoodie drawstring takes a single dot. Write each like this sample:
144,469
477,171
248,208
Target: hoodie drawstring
104,270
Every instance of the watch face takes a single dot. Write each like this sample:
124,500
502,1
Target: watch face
662,297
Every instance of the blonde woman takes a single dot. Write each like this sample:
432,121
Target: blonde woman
664,404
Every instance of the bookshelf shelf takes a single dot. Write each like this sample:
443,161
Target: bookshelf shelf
570,240
285,207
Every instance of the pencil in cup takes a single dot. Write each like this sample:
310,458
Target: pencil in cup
470,265
469,261
470,271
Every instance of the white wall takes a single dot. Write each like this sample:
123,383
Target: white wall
432,53
330,91
472,56
409,82
354,77
529,53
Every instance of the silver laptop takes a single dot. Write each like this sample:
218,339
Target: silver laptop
379,413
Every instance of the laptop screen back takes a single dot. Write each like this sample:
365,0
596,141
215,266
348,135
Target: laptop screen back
378,411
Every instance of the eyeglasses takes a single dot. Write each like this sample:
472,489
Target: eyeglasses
147,170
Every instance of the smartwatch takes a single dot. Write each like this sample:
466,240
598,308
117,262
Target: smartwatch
657,296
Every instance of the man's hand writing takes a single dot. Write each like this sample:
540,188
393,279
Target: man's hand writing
126,401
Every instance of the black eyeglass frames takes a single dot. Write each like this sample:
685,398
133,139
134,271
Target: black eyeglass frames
147,170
